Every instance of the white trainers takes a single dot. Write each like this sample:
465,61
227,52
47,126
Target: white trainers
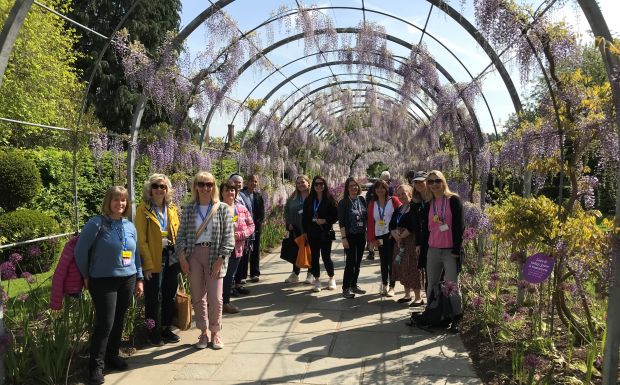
293,278
331,285
390,292
383,289
203,342
317,286
309,279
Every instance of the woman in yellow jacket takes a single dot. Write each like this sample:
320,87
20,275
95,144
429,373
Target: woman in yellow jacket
157,223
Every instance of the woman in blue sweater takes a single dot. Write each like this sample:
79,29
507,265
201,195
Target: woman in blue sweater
108,258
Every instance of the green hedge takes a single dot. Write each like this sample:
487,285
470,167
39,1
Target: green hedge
21,180
28,224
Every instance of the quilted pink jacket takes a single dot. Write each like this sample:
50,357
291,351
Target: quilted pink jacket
66,278
244,227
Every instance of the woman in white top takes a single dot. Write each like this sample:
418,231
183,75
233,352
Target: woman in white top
380,210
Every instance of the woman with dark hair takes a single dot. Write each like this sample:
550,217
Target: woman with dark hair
293,210
380,211
319,215
444,237
352,216
243,228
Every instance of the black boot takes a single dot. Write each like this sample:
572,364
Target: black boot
96,376
454,326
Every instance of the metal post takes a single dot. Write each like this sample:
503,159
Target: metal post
131,151
10,31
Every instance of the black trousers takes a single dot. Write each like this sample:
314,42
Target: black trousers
386,254
353,260
251,259
255,257
161,289
321,248
233,264
111,297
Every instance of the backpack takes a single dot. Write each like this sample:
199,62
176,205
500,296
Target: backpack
438,312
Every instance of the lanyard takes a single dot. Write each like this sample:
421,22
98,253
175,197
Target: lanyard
203,217
121,234
234,209
163,219
316,205
355,204
441,217
381,212
400,215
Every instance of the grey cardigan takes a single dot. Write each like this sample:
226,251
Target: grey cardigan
222,240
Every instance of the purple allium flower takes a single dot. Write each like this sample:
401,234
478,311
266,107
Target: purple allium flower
34,251
7,270
598,363
511,302
477,302
469,234
531,362
22,297
494,277
28,277
450,288
150,323
506,317
15,258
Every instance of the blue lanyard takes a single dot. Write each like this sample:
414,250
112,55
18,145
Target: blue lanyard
163,219
441,217
381,213
121,235
399,215
316,205
203,217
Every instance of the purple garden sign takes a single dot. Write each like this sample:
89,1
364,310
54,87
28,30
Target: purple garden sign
537,268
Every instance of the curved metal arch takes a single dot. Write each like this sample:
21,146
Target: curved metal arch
299,36
386,97
412,100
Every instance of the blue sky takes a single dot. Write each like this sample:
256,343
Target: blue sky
249,13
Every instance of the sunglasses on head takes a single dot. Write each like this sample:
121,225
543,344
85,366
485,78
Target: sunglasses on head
205,184
433,181
155,186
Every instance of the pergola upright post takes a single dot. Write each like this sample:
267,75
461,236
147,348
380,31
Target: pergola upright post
131,151
10,31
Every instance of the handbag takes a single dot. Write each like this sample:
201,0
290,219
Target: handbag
304,255
289,249
183,305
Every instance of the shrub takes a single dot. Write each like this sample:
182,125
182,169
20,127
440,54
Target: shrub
22,225
21,180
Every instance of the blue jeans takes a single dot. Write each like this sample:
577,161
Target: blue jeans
233,263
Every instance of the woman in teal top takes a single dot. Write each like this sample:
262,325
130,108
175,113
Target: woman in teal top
107,255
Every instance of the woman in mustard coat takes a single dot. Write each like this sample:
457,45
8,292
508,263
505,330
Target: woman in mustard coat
157,223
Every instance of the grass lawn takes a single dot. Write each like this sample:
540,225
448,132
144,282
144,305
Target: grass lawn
17,286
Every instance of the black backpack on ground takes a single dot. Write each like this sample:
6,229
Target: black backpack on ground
438,312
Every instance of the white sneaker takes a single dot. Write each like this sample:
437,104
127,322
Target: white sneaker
383,290
203,342
309,279
390,293
293,278
331,285
317,286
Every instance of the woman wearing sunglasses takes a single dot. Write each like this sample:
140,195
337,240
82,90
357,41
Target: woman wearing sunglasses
293,211
319,215
204,244
380,211
157,223
444,238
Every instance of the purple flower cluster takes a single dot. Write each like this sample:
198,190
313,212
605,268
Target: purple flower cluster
477,302
531,362
34,251
28,277
23,297
15,258
7,270
150,323
449,288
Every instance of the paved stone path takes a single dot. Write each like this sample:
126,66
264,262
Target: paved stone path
287,335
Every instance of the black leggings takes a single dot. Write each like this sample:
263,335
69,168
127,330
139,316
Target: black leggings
321,248
386,254
165,283
353,260
111,297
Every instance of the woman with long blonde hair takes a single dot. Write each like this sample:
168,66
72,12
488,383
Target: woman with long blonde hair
204,244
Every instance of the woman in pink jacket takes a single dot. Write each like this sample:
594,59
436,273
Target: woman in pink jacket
243,228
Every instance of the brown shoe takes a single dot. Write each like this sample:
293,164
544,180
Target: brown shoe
229,308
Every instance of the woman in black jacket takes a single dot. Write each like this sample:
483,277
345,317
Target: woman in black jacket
319,215
444,237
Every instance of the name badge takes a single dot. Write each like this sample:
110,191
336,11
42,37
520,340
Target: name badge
235,218
360,224
164,242
126,254
300,211
443,228
164,234
381,222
